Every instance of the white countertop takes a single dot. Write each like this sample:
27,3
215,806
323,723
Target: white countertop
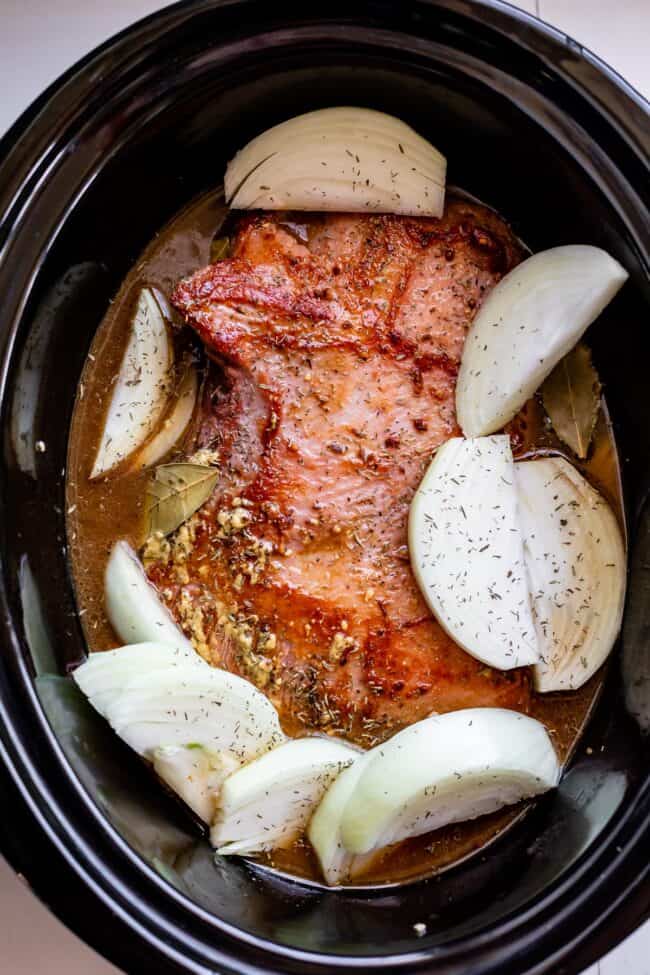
39,39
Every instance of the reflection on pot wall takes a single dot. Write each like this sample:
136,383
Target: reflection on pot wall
59,303
37,633
636,630
116,778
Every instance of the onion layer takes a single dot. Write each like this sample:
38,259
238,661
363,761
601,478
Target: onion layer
132,604
527,323
195,773
142,387
266,804
576,564
347,159
324,832
174,425
182,702
103,675
467,552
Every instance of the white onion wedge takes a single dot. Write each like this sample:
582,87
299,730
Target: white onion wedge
267,804
193,702
184,702
174,425
467,551
195,773
324,831
133,606
575,556
347,159
528,322
447,769
142,387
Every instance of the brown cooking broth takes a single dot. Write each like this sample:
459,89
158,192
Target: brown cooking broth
100,512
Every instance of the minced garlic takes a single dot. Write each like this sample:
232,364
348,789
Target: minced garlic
156,549
205,457
341,644
233,520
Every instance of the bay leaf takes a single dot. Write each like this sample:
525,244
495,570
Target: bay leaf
571,397
174,493
219,249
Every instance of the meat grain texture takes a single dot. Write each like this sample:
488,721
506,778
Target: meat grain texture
336,342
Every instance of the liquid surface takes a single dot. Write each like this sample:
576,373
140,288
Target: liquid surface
102,511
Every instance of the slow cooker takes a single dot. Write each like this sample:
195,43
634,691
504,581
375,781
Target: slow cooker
531,124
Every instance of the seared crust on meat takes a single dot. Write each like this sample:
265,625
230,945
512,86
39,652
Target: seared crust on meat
337,341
